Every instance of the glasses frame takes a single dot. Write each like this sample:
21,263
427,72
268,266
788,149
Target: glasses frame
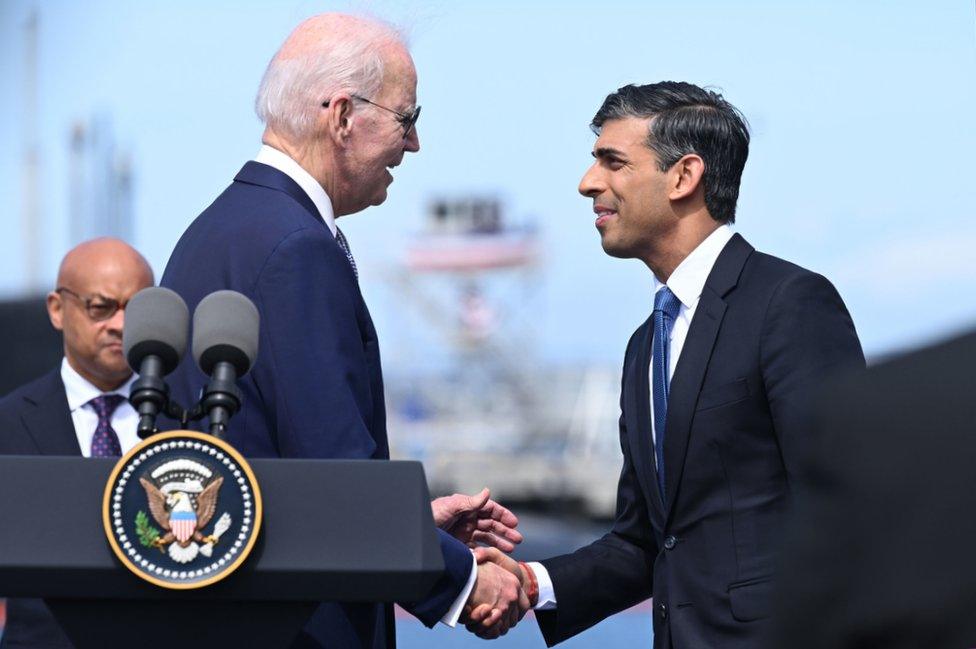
407,120
89,301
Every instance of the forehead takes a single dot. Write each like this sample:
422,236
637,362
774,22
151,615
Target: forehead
627,135
400,77
118,277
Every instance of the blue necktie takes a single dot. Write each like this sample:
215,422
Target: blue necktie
666,307
341,240
105,442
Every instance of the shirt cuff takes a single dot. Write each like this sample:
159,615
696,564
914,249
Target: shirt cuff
454,613
547,594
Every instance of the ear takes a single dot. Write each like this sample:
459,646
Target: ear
686,176
55,310
338,118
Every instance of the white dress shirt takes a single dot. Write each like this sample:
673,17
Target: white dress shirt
686,282
283,163
79,391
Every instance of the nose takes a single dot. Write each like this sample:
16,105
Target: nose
116,323
412,143
592,184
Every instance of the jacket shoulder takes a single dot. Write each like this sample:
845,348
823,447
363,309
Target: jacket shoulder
33,391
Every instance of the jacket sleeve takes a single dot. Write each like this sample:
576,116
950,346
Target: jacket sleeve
807,338
612,573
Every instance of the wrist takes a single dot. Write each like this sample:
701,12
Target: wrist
529,584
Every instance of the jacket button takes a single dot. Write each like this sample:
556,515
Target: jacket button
662,610
670,542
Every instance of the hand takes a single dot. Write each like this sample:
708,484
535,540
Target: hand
480,619
500,599
477,519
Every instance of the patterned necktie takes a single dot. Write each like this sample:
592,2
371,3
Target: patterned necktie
341,240
666,307
105,443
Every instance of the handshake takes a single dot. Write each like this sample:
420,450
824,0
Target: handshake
504,589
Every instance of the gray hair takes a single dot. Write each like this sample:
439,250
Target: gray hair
293,87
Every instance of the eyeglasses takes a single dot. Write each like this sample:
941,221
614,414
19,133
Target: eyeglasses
407,120
97,307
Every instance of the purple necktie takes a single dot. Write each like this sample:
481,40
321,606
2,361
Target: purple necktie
105,442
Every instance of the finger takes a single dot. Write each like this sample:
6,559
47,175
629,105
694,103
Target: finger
493,541
499,529
494,617
484,555
524,604
495,510
479,500
479,613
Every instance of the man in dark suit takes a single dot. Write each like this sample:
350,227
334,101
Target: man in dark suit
880,552
714,426
80,407
339,104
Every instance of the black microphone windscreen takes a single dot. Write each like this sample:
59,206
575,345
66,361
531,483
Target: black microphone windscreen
225,328
156,323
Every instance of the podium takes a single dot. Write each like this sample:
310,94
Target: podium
333,530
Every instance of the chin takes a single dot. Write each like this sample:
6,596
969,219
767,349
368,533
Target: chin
614,249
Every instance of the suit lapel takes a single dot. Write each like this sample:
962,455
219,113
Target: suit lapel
47,418
695,356
639,422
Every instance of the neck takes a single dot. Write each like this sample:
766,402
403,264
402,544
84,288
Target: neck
314,157
104,384
675,245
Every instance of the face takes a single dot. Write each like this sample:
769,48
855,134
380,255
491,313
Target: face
629,192
377,146
94,348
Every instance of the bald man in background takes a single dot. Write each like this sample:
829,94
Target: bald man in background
80,407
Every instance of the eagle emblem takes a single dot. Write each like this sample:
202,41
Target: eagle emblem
182,496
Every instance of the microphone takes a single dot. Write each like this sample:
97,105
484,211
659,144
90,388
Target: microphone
154,341
225,344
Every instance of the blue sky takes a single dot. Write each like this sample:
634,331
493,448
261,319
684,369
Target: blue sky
860,166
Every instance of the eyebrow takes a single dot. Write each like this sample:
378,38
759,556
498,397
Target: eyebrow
607,152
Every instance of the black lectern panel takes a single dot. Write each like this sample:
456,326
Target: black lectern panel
333,530
351,530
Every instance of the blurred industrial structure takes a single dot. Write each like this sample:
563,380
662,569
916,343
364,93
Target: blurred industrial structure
495,414
100,184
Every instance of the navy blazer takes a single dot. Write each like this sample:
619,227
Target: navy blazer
35,420
765,333
316,389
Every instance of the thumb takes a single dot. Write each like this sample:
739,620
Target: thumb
479,500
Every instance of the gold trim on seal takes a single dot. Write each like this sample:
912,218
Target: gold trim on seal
182,434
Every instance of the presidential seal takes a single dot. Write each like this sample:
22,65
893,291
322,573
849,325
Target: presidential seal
182,510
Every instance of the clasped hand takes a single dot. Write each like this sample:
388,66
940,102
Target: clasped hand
498,600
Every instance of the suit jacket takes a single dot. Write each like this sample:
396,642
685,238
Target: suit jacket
35,420
316,388
736,438
880,553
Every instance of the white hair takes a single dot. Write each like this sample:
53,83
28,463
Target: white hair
293,88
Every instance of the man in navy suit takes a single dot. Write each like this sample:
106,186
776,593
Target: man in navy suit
714,426
339,104
80,407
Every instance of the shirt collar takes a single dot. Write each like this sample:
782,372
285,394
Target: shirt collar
79,391
286,165
688,279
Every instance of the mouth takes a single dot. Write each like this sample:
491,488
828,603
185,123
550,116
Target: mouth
603,214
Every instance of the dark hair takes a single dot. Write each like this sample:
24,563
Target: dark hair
688,119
